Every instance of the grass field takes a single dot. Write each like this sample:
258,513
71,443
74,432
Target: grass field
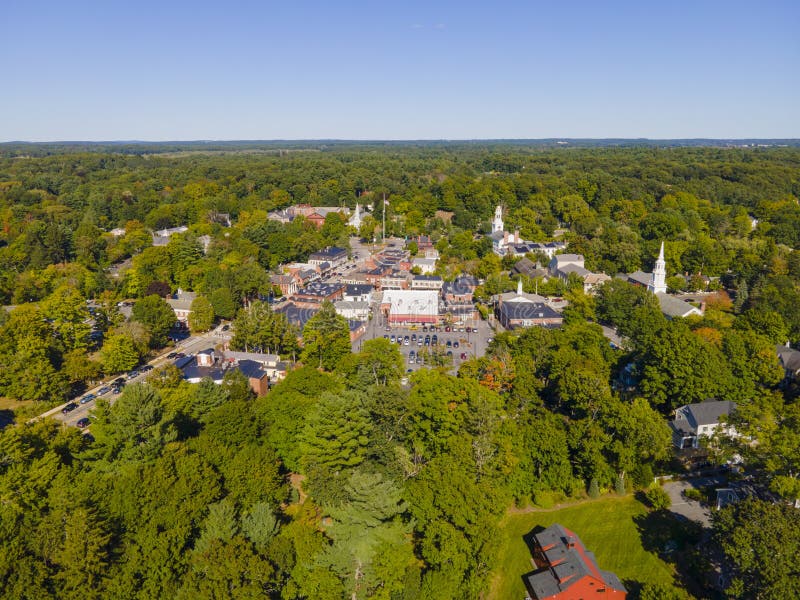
612,528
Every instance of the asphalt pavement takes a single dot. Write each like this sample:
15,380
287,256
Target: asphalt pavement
191,345
692,509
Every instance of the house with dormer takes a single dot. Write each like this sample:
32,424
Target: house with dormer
567,570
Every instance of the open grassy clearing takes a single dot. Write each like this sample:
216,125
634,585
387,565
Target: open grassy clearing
616,529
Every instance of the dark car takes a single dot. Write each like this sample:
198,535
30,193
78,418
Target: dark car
449,344
180,355
87,398
83,423
226,327
103,390
133,374
450,354
118,381
172,355
435,340
146,369
455,344
69,408
117,387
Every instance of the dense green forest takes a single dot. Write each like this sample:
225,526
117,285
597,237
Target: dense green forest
341,482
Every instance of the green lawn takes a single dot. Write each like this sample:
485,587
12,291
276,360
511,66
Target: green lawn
608,527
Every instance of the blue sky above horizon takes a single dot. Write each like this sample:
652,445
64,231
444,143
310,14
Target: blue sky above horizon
94,70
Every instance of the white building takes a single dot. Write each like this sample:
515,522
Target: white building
426,266
658,282
352,311
410,306
694,421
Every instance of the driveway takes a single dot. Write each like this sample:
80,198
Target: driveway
692,509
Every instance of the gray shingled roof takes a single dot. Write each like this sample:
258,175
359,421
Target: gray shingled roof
527,310
708,413
573,564
675,307
789,357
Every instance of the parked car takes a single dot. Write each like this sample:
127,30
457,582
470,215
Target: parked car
455,344
103,390
449,344
226,327
391,339
132,374
69,408
450,354
87,398
146,368
434,339
172,355
463,356
83,423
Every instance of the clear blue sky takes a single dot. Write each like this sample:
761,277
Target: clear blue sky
173,70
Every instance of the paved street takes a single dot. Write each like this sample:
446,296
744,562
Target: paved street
190,345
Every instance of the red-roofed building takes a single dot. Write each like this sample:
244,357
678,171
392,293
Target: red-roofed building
566,570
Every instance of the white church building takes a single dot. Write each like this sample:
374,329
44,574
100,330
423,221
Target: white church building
656,282
507,243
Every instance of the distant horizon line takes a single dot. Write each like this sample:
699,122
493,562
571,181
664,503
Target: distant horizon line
404,140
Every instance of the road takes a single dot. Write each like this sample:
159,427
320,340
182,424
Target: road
191,345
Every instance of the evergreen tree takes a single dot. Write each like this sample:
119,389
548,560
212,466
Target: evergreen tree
326,338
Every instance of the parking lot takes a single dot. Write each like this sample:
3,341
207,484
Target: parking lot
463,344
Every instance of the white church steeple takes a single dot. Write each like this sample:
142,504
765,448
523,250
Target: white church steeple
497,222
658,283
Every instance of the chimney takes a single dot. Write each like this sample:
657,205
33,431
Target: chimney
571,542
517,239
505,237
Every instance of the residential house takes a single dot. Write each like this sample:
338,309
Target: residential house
790,361
527,268
566,569
181,303
161,237
275,368
208,364
562,265
694,421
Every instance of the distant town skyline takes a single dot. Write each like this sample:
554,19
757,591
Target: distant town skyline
412,71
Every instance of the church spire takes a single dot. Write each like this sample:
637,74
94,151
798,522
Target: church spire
497,222
658,281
